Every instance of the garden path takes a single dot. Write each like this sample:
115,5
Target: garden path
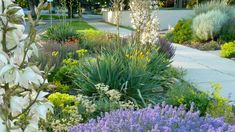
201,67
96,21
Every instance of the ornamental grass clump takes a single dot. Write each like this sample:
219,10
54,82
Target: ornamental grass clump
139,75
159,118
62,32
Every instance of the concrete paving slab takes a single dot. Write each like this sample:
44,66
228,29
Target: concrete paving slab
202,68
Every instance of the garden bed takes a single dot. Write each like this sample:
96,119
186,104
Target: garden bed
105,76
85,79
211,28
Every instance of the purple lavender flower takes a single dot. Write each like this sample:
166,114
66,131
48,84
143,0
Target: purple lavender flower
161,118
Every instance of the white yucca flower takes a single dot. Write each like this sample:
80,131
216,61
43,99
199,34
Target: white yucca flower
150,34
144,21
19,82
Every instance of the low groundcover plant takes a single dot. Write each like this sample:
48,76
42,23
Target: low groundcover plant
159,118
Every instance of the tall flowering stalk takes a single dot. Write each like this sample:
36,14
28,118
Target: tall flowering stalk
22,101
117,6
145,22
71,10
63,9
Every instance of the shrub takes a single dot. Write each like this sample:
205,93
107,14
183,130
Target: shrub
228,50
64,75
58,87
184,93
71,110
53,53
211,45
158,118
170,36
213,104
65,112
220,106
228,31
207,26
182,31
61,32
95,40
191,3
215,5
107,100
138,75
63,102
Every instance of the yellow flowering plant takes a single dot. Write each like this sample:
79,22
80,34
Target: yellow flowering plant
54,53
70,61
81,53
65,114
139,55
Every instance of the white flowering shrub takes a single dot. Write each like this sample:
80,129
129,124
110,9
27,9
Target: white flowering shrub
22,101
207,26
145,22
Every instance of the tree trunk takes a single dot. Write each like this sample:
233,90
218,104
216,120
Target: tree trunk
32,5
70,9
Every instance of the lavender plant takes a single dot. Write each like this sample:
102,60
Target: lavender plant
166,47
159,118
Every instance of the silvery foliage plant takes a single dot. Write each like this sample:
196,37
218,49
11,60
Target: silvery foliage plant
22,101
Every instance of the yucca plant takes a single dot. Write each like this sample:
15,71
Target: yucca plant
61,33
139,75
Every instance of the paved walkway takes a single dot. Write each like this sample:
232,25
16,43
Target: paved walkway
110,28
201,67
96,21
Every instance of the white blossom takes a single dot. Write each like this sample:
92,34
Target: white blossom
145,21
2,92
2,126
21,79
17,104
28,76
150,33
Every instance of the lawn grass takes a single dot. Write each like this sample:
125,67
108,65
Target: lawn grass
54,17
81,25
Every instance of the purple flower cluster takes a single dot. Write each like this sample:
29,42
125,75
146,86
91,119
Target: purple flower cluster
161,118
